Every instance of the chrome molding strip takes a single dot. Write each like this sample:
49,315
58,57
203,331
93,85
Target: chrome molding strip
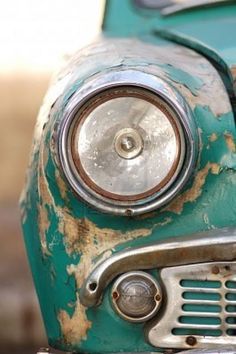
224,350
171,7
214,245
199,308
189,5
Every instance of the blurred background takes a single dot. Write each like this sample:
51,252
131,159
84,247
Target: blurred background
34,38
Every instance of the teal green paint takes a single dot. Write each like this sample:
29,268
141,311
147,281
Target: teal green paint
63,291
218,192
207,30
194,84
40,265
214,208
213,26
115,325
202,48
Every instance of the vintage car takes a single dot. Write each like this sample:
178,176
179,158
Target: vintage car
129,210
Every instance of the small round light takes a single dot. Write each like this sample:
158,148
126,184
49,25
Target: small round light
136,296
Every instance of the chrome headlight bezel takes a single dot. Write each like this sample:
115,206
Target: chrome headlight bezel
150,84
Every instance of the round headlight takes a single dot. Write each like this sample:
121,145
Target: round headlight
126,144
123,148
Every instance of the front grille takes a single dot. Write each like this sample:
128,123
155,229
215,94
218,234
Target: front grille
200,308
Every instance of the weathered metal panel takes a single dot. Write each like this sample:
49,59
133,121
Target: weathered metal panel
207,30
65,238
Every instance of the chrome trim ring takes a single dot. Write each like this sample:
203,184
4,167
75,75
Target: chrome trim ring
124,287
171,98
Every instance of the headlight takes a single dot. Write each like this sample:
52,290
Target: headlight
122,144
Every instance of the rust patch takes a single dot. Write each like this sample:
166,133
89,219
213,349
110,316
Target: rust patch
46,202
80,236
230,142
61,185
233,71
74,328
195,191
204,97
213,137
151,214
215,168
43,223
84,237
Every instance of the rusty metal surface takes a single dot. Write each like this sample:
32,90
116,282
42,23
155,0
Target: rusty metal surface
67,238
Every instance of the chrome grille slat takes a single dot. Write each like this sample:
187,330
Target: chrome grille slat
201,290
201,314
230,314
206,286
202,302
199,326
233,326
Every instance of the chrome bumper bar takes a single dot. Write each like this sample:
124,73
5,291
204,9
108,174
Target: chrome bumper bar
211,246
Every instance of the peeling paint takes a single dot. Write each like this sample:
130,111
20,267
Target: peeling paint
74,328
55,90
151,214
61,185
84,237
207,222
46,202
195,191
85,242
215,168
230,142
193,83
43,223
218,107
191,73
213,137
206,219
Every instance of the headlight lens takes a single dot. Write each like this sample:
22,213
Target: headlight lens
126,144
